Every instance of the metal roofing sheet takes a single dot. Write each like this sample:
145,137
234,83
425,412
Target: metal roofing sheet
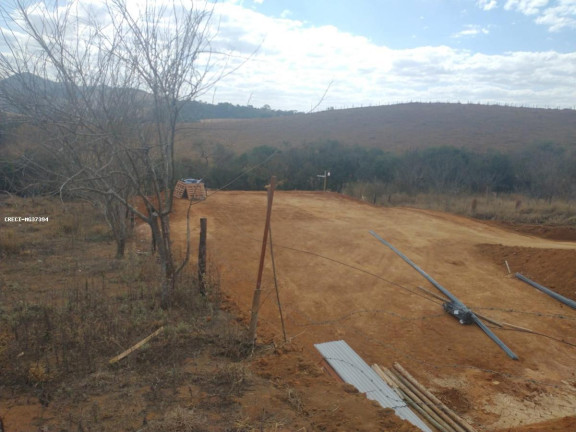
353,370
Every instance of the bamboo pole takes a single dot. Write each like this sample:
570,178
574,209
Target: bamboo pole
445,417
490,320
422,412
135,347
395,383
434,399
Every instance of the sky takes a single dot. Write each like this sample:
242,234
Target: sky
312,55
317,54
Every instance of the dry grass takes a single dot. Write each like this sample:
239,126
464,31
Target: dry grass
503,207
67,307
395,128
180,420
512,208
10,244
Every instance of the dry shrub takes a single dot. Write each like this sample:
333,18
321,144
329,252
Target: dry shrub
179,420
76,335
268,425
10,244
38,373
294,399
233,341
231,379
501,207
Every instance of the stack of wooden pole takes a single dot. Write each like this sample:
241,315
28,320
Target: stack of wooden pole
419,398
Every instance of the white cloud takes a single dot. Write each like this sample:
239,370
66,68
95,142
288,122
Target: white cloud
557,16
296,62
527,7
487,4
471,30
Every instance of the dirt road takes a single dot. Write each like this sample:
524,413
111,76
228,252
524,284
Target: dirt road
324,255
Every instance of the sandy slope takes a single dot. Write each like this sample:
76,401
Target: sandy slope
385,321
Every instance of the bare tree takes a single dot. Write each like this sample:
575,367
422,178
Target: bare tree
106,85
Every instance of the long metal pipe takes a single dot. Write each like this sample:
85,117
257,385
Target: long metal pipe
495,338
419,270
548,291
448,294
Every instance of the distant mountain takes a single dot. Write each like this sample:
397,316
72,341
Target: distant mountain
25,85
22,87
395,128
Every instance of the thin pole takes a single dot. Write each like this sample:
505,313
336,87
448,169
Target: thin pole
258,290
325,179
202,256
276,286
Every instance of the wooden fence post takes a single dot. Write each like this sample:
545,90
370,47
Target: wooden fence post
258,290
202,256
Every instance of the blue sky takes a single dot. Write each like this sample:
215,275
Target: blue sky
518,52
401,24
316,54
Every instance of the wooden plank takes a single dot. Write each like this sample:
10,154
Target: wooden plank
135,347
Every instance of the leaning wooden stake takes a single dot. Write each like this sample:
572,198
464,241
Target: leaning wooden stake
258,290
135,347
434,399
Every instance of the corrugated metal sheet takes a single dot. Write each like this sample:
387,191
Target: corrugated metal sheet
355,371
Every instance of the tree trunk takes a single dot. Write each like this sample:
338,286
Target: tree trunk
167,262
120,248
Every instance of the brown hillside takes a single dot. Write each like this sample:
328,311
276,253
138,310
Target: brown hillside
394,128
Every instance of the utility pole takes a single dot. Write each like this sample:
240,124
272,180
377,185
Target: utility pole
258,290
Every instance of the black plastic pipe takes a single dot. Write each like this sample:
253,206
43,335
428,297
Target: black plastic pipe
448,294
548,291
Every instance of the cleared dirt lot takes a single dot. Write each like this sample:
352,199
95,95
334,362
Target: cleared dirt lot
323,256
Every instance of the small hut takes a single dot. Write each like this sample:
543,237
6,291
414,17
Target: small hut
192,189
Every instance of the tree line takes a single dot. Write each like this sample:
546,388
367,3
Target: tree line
542,170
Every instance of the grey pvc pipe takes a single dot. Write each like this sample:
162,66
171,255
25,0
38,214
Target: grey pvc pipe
419,270
548,291
495,338
448,294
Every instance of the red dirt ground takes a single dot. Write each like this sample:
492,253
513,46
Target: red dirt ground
324,255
